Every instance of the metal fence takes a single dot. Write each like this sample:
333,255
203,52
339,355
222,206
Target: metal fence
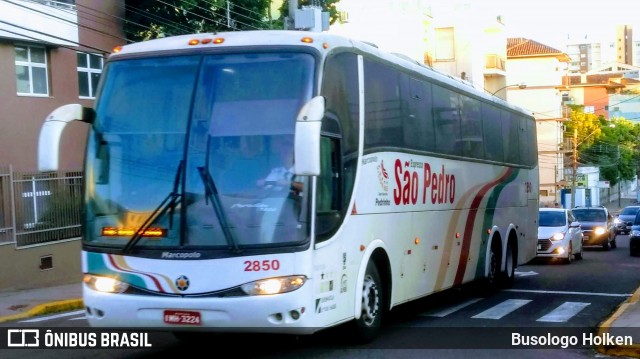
39,208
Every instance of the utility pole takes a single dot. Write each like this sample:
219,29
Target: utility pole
575,167
619,177
290,22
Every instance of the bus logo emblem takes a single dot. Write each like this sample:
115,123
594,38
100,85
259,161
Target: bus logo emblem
182,283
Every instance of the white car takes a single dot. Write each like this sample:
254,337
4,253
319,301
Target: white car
559,235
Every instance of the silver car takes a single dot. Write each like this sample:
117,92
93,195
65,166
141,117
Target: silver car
559,234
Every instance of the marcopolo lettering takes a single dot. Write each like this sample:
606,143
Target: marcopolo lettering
181,255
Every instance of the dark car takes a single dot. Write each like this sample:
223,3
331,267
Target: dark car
624,220
634,238
597,226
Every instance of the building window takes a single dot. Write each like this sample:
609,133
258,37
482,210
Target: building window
89,70
31,70
445,44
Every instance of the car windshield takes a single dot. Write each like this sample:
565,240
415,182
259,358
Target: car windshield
629,211
551,219
590,215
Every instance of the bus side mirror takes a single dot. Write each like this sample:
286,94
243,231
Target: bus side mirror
51,132
307,138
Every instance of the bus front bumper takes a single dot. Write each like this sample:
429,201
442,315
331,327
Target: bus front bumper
287,313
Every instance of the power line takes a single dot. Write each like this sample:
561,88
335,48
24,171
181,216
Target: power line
52,36
63,20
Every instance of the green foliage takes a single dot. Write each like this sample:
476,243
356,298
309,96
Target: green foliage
611,145
150,19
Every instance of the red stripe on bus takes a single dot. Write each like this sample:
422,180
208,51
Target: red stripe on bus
154,279
468,228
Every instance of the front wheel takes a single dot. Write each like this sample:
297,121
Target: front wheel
580,254
569,254
370,321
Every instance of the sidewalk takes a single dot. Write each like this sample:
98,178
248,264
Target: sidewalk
22,304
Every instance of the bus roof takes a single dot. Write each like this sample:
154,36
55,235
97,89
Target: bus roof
321,41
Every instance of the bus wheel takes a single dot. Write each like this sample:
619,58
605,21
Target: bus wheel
509,274
370,321
493,276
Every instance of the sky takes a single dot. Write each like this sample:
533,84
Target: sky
551,22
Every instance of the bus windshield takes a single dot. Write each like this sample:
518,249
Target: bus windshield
196,151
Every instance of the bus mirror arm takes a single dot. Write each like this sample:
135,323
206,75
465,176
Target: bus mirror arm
307,138
51,132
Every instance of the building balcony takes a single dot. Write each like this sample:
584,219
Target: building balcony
495,65
52,22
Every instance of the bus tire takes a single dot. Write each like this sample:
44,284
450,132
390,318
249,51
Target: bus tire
370,321
510,264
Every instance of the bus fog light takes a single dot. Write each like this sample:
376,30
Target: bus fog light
274,285
104,284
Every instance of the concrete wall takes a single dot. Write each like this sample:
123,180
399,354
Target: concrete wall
20,268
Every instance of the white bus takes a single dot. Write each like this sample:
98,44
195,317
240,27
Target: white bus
406,182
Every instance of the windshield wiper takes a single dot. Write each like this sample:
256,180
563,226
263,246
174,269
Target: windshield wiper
211,193
168,204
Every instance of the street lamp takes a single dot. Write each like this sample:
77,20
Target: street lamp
521,86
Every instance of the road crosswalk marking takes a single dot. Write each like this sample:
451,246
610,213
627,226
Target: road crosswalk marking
564,312
446,311
502,309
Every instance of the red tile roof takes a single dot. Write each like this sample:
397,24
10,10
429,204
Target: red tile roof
522,47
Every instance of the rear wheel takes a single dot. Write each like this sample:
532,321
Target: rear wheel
370,321
508,276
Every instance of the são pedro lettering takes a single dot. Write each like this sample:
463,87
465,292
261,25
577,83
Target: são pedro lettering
436,187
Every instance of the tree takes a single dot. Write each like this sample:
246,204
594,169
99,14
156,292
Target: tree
150,19
610,145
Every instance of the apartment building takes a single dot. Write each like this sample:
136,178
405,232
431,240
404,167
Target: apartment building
590,54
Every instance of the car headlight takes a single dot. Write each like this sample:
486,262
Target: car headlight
274,285
598,230
557,236
104,284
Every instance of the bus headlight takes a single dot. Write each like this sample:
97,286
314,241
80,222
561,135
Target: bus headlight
598,230
104,284
557,236
274,285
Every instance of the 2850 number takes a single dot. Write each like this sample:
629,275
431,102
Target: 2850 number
265,265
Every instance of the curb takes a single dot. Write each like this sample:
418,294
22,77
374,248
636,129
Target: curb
47,308
632,350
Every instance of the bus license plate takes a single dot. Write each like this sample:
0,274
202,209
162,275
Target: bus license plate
182,317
